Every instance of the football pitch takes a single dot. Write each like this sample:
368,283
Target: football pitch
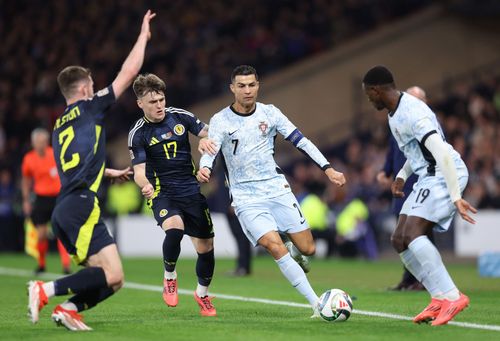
262,306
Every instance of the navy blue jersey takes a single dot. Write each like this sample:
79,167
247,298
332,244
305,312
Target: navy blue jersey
164,147
79,143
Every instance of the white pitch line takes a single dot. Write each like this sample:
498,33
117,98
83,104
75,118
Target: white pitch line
156,288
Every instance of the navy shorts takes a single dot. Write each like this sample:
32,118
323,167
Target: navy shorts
42,209
77,222
192,209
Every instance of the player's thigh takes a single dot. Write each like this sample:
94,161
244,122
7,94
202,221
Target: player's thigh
287,213
430,200
197,218
77,223
167,213
256,220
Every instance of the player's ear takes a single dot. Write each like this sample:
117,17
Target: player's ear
139,103
231,86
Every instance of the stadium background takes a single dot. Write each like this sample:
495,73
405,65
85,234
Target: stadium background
310,56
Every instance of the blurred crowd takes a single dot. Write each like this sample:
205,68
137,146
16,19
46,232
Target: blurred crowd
196,45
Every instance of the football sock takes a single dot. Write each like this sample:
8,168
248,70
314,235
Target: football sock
172,248
205,268
43,247
65,260
432,274
49,289
69,306
296,276
201,290
89,299
87,279
170,275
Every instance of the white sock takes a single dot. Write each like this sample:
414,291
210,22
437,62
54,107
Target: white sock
411,263
296,276
170,275
201,290
49,289
433,274
69,306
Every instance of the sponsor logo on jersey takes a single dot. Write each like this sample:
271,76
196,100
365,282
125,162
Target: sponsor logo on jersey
263,128
163,213
179,129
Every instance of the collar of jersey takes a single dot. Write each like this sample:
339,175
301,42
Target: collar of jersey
151,122
391,113
240,114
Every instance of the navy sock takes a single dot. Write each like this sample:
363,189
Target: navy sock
87,279
172,248
89,299
205,267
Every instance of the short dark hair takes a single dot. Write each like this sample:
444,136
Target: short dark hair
244,70
147,83
69,77
378,75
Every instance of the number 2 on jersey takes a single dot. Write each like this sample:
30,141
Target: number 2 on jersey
171,145
65,138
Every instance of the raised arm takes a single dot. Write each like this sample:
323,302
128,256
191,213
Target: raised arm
133,63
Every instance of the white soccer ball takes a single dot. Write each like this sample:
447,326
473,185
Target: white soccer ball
335,305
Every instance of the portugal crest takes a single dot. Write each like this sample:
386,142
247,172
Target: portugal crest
263,128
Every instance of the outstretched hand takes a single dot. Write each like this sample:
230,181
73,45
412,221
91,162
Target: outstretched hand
337,178
397,188
463,208
145,28
120,175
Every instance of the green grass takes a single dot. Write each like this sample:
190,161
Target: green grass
134,314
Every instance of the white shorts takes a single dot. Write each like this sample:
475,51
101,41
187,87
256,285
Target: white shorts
431,200
281,214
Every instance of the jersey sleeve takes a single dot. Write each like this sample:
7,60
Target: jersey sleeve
25,167
423,128
136,146
283,124
193,124
216,134
101,102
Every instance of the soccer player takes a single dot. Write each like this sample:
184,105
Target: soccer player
78,142
394,160
165,172
244,132
442,177
40,175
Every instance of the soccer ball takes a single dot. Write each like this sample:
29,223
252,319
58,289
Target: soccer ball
335,305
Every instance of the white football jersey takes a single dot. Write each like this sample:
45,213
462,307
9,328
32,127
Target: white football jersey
247,146
411,123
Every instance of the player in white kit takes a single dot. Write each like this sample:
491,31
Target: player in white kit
436,196
244,133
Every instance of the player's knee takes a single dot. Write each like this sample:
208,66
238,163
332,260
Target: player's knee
277,250
115,279
309,250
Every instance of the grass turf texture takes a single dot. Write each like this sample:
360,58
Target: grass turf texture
134,314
